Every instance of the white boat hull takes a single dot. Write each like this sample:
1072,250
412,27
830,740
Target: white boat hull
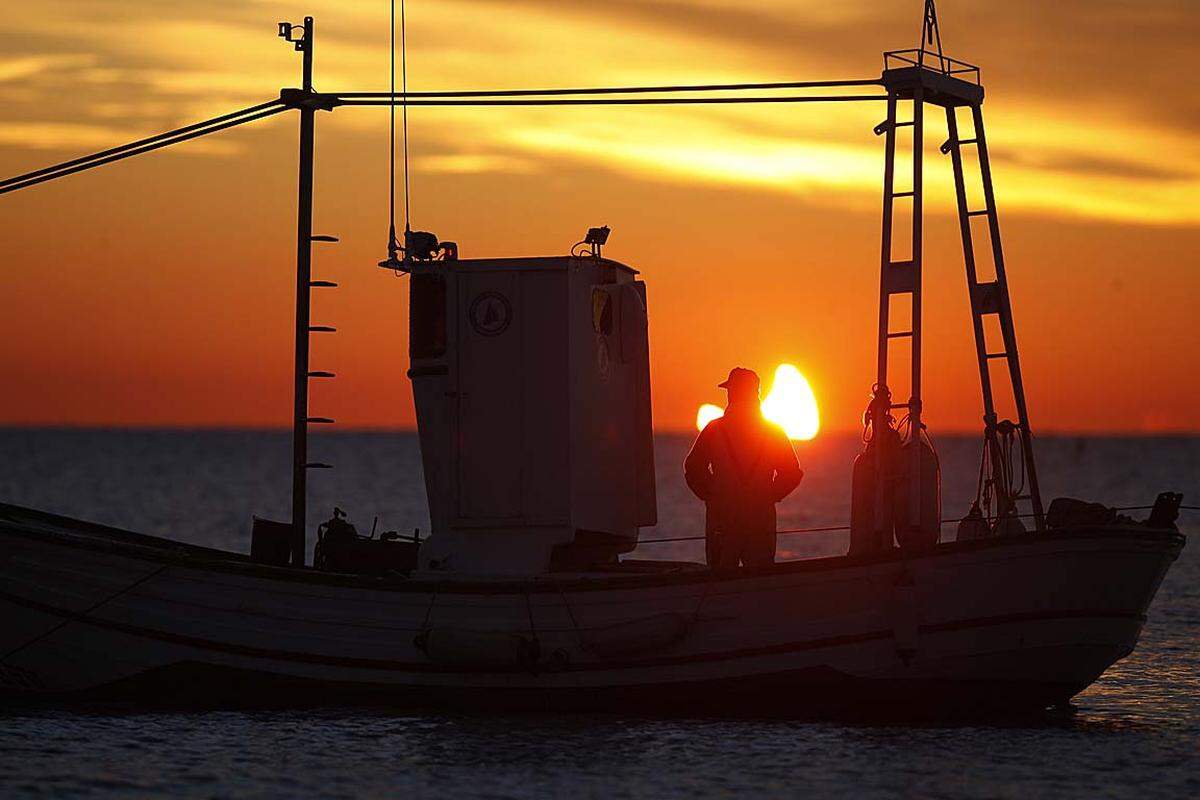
1012,622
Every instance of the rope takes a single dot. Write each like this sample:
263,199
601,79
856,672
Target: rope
392,143
404,88
429,610
82,615
570,614
529,614
833,528
393,244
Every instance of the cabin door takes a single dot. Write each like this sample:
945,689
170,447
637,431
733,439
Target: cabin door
488,441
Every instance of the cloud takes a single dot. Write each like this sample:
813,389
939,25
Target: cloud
44,135
1074,131
474,164
23,67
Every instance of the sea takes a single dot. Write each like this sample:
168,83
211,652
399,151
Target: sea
1134,733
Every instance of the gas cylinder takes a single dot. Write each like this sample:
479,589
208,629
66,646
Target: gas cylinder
866,533
925,529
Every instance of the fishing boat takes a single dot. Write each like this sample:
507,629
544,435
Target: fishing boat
531,383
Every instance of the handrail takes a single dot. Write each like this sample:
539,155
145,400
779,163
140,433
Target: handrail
946,65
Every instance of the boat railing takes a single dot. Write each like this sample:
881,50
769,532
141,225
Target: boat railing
931,60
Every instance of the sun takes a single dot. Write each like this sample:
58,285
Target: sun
790,404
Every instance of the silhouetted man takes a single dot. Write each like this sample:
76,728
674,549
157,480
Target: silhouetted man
741,466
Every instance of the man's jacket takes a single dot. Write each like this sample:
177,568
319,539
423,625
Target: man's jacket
741,466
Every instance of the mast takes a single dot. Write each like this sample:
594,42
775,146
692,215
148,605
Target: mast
304,198
925,75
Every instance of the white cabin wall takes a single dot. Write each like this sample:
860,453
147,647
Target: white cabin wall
540,426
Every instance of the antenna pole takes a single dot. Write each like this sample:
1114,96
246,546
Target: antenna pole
303,281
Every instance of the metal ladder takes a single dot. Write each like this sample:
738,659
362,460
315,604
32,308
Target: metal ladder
991,298
301,419
925,75
899,277
987,297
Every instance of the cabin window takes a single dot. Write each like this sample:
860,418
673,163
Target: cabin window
427,316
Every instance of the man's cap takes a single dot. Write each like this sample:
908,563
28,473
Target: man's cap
739,377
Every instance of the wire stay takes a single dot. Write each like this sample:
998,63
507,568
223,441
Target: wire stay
579,96
599,90
393,245
140,146
404,114
343,100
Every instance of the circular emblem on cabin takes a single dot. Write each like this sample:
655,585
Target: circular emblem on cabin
491,314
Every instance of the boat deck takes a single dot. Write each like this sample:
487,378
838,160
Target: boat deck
630,573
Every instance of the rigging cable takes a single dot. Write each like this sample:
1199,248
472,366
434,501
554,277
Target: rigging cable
392,244
145,145
629,90
592,90
404,115
352,100
82,616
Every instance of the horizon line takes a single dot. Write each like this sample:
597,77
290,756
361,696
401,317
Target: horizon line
670,431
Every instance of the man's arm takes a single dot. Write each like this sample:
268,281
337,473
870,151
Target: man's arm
696,466
787,469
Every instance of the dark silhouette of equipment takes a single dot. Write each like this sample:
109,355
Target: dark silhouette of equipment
593,243
882,484
270,542
420,246
1165,511
597,238
340,548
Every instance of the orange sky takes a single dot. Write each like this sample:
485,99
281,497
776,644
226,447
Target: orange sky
159,291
